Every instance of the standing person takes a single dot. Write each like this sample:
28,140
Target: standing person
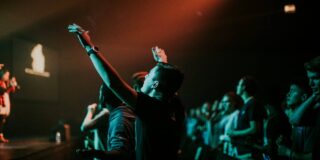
302,135
231,103
308,113
119,139
7,86
158,127
96,121
250,120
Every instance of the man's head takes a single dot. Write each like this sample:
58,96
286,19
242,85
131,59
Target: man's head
107,98
297,94
164,78
313,72
248,85
231,101
138,79
4,74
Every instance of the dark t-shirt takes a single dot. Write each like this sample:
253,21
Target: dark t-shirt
302,139
277,125
158,129
251,111
312,119
121,131
316,145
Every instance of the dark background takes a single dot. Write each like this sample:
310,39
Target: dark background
214,42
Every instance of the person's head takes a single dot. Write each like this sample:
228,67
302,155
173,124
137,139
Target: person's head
4,74
247,85
297,93
230,102
313,72
138,79
192,112
164,78
107,98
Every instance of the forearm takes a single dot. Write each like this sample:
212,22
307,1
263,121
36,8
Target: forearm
245,132
112,79
11,89
86,124
106,71
300,113
91,122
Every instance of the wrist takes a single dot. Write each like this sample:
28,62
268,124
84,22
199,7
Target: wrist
92,50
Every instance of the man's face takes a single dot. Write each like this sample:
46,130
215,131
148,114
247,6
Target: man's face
294,96
226,104
314,81
240,87
149,81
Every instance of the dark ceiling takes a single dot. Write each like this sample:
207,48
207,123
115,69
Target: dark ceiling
215,42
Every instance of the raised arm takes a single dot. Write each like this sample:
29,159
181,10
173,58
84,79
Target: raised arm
301,112
159,55
92,119
106,71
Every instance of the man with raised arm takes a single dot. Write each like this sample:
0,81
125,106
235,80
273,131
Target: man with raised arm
308,113
158,128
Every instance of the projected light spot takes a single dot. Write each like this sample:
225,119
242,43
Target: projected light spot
38,62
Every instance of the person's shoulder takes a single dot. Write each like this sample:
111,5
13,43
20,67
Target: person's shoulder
123,112
144,99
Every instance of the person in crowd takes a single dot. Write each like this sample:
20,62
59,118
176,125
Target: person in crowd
7,86
158,128
250,120
120,139
308,113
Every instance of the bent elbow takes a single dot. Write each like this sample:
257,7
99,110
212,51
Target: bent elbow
294,121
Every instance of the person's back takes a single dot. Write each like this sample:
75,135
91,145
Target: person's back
158,130
121,131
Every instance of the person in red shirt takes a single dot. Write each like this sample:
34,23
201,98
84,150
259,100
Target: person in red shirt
7,86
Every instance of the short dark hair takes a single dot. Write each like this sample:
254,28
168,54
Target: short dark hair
251,85
302,83
138,79
236,99
170,78
313,65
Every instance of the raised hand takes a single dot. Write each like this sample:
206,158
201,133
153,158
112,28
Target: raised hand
74,28
13,82
159,55
82,35
92,108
